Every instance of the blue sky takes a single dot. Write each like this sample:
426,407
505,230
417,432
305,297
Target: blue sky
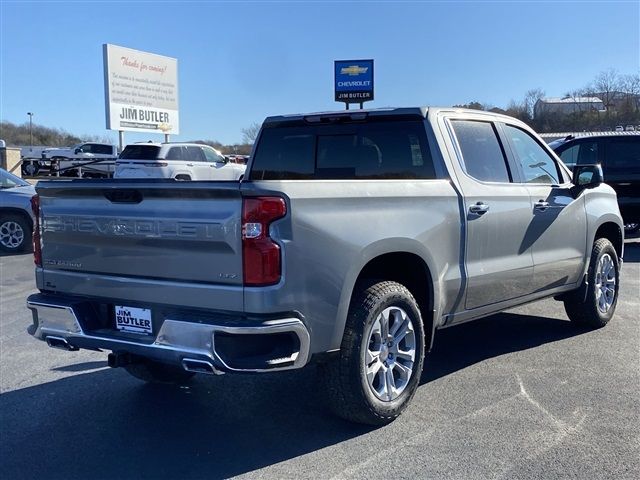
242,61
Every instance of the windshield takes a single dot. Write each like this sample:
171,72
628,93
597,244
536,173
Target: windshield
8,180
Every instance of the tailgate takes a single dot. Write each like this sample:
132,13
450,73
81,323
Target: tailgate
155,233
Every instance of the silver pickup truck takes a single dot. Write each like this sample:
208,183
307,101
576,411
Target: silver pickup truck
354,236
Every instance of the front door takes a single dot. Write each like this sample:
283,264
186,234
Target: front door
557,233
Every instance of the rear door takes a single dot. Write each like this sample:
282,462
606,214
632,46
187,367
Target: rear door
197,162
499,264
557,229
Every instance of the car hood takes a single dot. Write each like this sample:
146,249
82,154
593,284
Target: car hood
24,190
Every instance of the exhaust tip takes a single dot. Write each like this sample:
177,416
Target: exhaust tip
61,343
200,366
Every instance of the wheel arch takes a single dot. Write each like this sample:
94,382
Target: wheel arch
408,264
16,211
612,231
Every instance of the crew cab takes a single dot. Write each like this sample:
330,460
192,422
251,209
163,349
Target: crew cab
88,159
352,239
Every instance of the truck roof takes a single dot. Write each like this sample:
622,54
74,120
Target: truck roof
372,112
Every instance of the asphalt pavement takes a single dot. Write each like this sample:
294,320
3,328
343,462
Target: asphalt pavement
523,394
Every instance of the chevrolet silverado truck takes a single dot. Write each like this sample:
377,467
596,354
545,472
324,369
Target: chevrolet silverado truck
352,239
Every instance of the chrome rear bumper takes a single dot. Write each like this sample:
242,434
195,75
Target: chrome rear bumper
178,342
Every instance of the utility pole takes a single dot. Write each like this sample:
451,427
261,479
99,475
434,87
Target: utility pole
30,131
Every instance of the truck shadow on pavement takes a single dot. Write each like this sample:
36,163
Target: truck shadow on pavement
631,252
105,424
461,346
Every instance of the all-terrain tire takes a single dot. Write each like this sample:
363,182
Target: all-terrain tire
344,379
583,307
155,372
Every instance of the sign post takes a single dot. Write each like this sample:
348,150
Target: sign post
141,91
353,81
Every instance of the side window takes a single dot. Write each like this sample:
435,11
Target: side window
106,149
481,151
570,155
175,153
623,157
581,153
194,154
87,148
211,156
537,165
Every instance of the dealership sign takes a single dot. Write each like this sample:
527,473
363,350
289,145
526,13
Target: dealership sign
353,81
141,91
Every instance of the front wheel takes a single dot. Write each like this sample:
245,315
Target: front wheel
15,233
595,307
381,356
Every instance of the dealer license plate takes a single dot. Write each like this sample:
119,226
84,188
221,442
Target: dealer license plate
134,320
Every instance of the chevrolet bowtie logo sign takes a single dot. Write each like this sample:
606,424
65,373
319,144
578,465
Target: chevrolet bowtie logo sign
353,70
353,81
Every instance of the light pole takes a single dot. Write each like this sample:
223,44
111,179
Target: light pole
30,130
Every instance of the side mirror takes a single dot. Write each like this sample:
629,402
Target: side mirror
587,176
78,150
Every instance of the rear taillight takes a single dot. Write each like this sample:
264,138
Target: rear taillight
37,245
260,254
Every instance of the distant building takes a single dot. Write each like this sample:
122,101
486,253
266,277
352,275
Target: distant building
567,105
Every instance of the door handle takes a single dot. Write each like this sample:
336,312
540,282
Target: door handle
479,208
189,164
541,205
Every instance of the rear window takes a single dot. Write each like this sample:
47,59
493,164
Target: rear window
380,150
140,152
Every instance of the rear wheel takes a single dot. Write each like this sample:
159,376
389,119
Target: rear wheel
381,357
595,307
155,372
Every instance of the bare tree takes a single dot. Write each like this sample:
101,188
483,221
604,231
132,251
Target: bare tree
606,86
517,110
250,133
631,88
530,100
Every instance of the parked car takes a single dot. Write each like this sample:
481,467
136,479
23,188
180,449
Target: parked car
354,237
181,161
16,217
619,156
629,128
86,159
619,128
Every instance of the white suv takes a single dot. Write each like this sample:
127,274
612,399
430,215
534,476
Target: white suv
182,161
